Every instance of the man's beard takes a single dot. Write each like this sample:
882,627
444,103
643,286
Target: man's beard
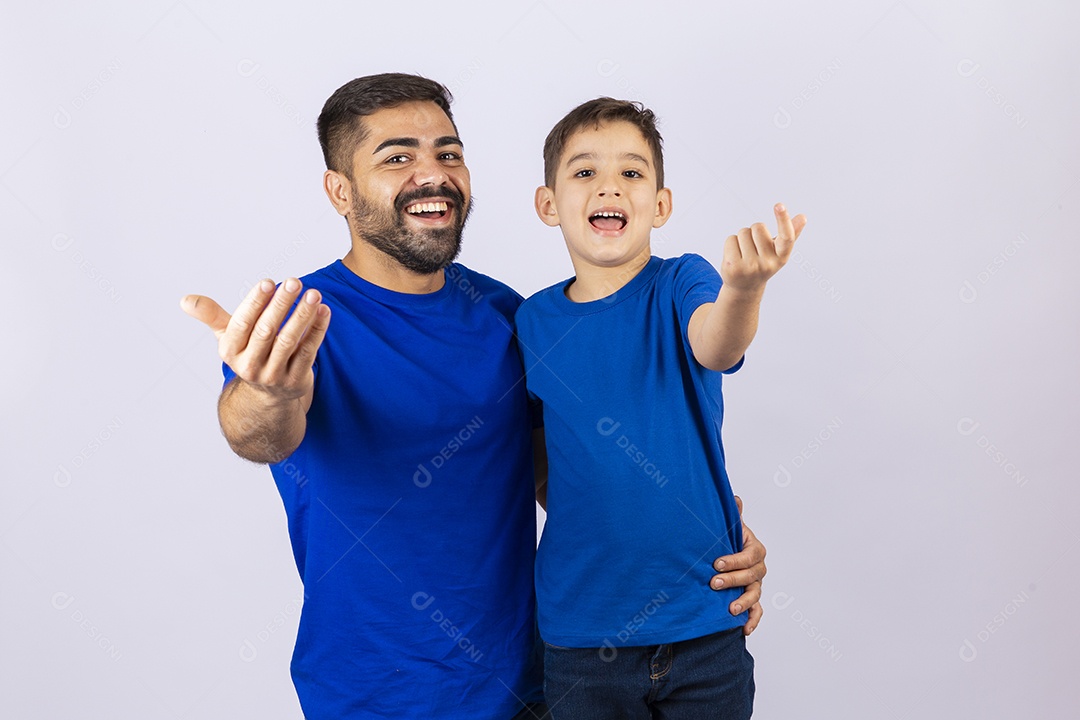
421,250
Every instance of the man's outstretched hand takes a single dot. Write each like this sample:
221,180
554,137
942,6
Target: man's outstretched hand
744,569
275,362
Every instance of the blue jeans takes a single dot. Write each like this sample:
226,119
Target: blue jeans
707,677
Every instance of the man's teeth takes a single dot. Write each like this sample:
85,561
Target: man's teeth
427,207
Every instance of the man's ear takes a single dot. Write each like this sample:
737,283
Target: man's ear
545,206
663,207
339,190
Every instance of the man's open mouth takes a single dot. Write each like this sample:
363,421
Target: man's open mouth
608,220
429,210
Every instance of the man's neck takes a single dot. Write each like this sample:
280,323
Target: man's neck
380,269
592,282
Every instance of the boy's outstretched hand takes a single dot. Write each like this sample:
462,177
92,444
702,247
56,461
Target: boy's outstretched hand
753,256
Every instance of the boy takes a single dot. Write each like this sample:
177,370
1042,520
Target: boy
627,358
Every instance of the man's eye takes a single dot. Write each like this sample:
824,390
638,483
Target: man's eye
583,173
449,156
397,159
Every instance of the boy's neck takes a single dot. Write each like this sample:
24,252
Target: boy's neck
592,282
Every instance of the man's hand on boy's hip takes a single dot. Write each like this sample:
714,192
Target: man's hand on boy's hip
744,569
753,255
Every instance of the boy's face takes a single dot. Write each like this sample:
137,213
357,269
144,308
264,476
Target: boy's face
605,197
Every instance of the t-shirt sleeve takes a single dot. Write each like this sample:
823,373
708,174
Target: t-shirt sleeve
696,282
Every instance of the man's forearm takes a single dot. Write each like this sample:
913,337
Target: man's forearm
728,328
258,427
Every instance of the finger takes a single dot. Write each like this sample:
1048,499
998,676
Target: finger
736,578
304,357
750,597
207,312
798,222
261,341
738,504
746,244
785,235
763,240
753,553
288,341
731,248
756,611
288,338
243,320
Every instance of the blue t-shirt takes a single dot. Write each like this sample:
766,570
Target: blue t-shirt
411,506
638,499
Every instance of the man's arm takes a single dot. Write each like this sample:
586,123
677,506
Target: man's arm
744,569
263,411
540,466
720,331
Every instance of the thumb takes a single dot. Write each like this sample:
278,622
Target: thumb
206,311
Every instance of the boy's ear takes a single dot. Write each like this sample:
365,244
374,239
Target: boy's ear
545,206
663,207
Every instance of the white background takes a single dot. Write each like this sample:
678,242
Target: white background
904,431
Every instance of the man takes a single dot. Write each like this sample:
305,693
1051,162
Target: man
400,441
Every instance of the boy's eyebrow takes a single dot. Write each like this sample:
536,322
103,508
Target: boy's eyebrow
414,143
592,156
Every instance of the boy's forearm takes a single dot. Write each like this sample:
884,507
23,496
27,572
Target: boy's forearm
259,427
727,328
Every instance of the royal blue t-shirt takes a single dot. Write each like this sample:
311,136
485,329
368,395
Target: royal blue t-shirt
638,499
411,506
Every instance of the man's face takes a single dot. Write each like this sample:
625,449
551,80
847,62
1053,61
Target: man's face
411,193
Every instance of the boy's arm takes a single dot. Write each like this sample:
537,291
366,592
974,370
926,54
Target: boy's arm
720,331
540,466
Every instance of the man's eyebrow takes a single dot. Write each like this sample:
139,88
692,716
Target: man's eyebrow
401,142
414,143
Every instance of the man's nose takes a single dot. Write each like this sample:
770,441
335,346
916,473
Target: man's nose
429,171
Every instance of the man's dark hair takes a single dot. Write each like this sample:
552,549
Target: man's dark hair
341,125
591,114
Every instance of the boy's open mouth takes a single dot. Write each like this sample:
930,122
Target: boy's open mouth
430,210
608,220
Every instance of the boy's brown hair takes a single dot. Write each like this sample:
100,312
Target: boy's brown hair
592,114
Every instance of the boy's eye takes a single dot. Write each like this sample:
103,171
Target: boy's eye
632,174
583,173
